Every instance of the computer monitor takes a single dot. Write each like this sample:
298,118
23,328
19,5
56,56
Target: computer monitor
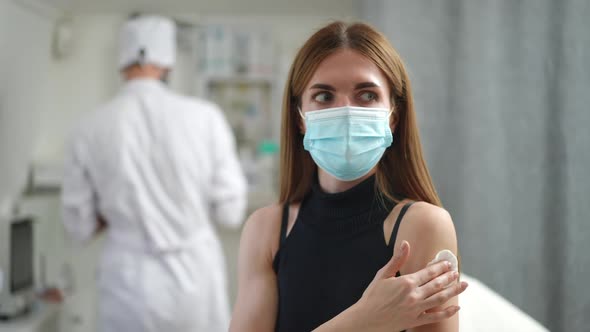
17,265
21,256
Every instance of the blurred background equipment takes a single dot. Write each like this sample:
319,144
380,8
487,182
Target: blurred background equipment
237,69
17,264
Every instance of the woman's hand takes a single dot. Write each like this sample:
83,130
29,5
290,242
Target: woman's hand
396,303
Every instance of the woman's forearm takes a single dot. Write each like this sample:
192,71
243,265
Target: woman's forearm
348,320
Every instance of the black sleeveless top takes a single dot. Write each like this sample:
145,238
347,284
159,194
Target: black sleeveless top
331,255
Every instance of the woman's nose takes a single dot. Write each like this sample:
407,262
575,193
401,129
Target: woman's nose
342,101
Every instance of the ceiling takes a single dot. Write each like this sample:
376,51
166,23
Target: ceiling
335,8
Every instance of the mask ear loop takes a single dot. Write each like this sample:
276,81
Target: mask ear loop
300,113
302,117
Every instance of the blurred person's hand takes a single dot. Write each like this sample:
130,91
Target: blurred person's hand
52,295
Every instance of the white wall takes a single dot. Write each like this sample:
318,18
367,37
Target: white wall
301,8
81,81
25,38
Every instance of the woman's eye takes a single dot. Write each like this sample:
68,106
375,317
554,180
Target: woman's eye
368,96
322,97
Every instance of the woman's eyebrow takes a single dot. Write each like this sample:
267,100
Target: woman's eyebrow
323,87
364,85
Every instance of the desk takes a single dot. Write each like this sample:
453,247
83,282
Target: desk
42,318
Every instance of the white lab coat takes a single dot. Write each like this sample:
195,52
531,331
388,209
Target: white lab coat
159,167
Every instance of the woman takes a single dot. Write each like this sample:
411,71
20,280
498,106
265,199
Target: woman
351,171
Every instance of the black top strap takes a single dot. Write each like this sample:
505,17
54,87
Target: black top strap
284,224
397,223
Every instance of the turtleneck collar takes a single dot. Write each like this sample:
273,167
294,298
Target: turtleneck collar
352,210
351,202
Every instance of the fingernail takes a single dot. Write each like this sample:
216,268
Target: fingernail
448,264
464,285
457,308
455,274
404,246
402,249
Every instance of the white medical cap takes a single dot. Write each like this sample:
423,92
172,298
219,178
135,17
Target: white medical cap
148,39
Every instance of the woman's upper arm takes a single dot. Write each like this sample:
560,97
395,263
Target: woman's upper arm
429,229
257,300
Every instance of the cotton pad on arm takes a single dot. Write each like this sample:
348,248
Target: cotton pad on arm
446,255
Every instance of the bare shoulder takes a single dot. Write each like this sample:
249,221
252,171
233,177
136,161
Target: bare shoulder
266,218
426,217
429,229
261,230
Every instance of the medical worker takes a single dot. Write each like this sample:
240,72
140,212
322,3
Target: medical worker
154,170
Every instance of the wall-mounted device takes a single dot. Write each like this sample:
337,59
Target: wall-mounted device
17,266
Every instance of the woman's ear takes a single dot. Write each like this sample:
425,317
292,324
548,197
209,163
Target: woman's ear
301,127
393,118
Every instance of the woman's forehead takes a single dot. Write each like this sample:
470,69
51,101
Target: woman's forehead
347,66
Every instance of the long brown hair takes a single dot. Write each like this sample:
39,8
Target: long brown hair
402,171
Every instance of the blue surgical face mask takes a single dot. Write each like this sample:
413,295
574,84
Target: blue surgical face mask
347,142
